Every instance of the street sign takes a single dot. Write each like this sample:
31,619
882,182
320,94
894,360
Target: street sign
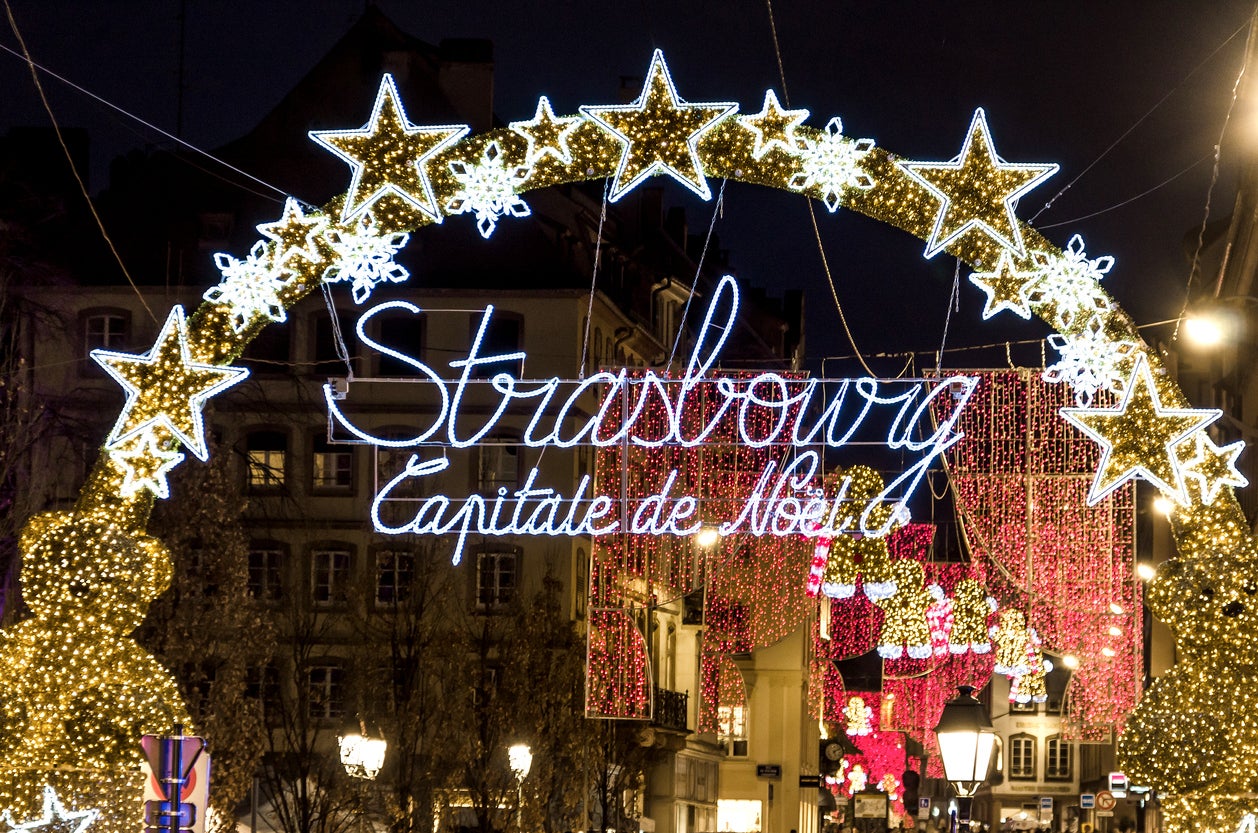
923,807
1118,784
809,781
1105,800
768,770
1046,803
1087,801
176,783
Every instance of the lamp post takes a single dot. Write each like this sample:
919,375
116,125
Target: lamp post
520,759
966,741
1212,321
362,754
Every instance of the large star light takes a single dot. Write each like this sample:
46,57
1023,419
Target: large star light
55,819
389,155
773,127
165,387
977,191
1138,437
546,134
660,133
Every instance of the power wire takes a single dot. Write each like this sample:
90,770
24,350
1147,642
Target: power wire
812,213
717,211
39,87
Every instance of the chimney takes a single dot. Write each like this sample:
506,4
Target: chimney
466,76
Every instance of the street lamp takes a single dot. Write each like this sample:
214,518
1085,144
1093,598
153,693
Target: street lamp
966,741
362,754
1215,320
520,759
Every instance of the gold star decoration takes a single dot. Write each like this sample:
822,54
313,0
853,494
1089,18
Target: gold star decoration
295,234
977,190
55,819
773,126
1138,437
659,132
165,387
144,463
389,155
1006,287
547,134
1212,467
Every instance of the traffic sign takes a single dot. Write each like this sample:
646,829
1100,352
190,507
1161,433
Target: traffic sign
1118,784
923,807
1046,803
176,783
1105,800
1087,801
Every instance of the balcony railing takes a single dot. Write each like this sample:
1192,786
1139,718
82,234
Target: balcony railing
671,709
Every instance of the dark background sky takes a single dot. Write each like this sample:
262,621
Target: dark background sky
1061,82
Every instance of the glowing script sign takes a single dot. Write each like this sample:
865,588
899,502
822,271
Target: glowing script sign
796,418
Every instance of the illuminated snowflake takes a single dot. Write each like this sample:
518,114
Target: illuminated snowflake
250,287
1071,283
833,164
1090,361
488,190
364,257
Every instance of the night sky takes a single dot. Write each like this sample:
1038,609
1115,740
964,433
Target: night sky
1060,81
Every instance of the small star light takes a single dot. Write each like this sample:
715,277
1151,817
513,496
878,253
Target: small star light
773,127
295,234
977,190
1139,436
488,190
833,165
250,287
660,133
144,464
55,819
547,134
388,155
364,257
1090,361
1212,467
1006,287
165,387
1071,282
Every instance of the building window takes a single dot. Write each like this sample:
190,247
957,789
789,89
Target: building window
105,331
731,730
395,571
330,576
1029,707
332,466
265,451
1058,758
264,572
262,683
390,461
498,465
1022,758
496,573
327,692
502,336
403,332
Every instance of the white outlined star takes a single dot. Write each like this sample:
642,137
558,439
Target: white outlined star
659,133
55,817
165,387
1138,437
773,126
388,155
546,134
977,190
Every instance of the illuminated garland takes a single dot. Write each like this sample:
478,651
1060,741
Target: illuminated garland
404,176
